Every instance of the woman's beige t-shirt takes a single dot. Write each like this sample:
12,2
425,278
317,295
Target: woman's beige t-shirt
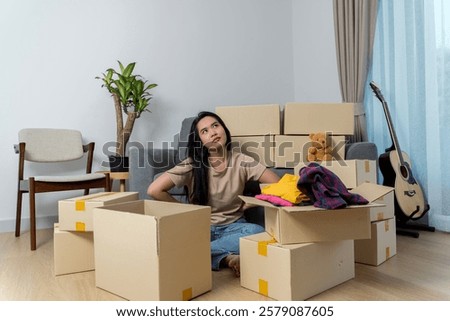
224,187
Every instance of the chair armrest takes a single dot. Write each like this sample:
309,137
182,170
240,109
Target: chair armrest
361,150
145,164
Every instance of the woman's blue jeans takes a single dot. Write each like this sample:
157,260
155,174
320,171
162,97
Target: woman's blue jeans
225,239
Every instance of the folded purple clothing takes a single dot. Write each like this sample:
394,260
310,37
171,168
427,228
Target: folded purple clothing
325,189
275,200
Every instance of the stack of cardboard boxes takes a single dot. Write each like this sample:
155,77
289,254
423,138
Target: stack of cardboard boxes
383,242
307,250
262,132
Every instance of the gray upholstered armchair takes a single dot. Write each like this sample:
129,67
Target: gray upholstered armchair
147,163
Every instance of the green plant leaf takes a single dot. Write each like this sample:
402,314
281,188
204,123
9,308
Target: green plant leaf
150,86
121,66
129,69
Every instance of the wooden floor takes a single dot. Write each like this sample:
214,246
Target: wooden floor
419,271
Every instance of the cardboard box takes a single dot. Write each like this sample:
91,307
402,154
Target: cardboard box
294,272
351,172
251,120
151,250
75,214
388,210
306,118
261,148
303,224
73,251
292,150
382,245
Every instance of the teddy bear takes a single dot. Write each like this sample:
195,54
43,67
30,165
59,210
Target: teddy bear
320,149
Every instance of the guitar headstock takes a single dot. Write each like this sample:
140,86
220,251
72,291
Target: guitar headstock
376,91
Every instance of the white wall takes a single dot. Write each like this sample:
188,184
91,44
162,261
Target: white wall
315,65
202,53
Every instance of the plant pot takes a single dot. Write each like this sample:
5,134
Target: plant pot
118,163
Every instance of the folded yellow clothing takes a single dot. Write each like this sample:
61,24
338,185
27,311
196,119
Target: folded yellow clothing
286,188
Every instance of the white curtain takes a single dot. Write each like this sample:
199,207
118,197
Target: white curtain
411,64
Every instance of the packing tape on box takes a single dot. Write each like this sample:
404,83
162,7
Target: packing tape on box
80,205
388,252
263,287
367,166
262,246
380,216
80,227
386,226
187,294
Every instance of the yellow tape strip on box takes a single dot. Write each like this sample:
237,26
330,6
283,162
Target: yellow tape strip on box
262,246
80,205
263,286
187,294
380,216
80,227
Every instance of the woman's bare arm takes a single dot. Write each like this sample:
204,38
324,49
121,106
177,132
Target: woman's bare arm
269,177
159,189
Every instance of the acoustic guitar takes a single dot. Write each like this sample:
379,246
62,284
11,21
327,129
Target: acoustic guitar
395,166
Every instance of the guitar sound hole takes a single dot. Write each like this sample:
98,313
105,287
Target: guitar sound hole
404,172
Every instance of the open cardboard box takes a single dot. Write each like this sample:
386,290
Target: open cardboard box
300,224
152,250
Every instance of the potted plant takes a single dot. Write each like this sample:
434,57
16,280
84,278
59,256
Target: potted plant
131,95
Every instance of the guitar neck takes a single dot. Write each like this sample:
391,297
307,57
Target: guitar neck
392,132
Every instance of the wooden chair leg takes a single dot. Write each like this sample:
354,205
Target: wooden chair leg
18,211
32,215
108,186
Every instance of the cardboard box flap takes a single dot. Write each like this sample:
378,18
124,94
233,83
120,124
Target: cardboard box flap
132,207
113,196
371,192
295,209
310,208
255,201
90,196
156,209
101,197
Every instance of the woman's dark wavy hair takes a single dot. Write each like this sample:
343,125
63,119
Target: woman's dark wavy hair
199,155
